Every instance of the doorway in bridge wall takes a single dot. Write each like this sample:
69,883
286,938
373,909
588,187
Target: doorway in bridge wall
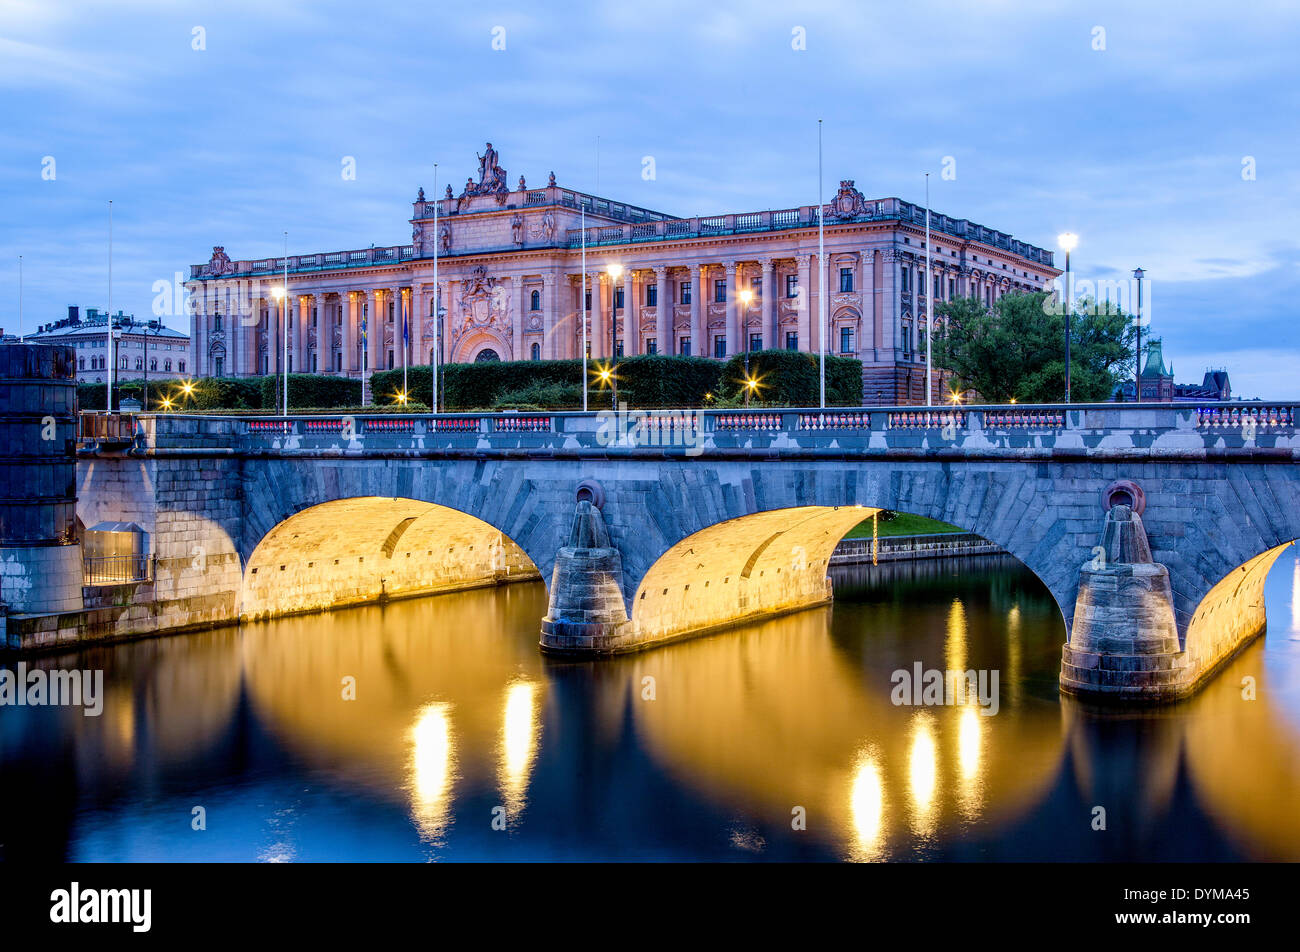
370,549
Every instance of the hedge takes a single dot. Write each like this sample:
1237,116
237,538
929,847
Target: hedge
656,380
311,390
792,379
208,393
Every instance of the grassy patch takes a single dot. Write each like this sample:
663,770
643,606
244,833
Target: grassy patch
903,523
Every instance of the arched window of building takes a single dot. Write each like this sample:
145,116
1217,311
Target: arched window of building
535,301
536,350
81,363
139,363
153,363
486,355
167,366
180,366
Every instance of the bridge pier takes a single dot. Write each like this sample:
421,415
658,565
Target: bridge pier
586,613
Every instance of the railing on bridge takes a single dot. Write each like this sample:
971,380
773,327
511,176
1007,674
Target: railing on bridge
116,569
96,426
928,546
1041,427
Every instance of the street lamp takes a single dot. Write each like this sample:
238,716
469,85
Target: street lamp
280,294
1137,381
615,271
1067,241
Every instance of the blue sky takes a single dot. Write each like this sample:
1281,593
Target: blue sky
1137,147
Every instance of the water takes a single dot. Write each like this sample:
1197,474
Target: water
458,720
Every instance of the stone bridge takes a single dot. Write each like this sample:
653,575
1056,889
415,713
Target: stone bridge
647,527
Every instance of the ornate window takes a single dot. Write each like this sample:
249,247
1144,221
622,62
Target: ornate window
686,292
651,295
792,285
719,292
487,355
846,279
535,301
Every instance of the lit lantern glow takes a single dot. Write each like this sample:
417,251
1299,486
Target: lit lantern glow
432,764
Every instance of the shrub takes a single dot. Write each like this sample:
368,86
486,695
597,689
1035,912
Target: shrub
792,379
312,390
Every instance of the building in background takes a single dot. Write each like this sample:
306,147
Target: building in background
165,350
1158,382
510,282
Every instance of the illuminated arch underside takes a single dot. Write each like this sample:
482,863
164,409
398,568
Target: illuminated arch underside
365,549
1230,614
761,564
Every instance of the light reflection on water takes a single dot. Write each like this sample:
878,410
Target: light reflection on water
458,722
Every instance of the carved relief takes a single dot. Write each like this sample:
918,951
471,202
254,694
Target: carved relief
219,263
544,228
848,202
483,302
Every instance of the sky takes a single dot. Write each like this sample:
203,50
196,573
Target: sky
1163,134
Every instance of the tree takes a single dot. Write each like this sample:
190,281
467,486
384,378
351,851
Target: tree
1016,348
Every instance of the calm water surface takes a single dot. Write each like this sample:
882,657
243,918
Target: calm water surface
458,719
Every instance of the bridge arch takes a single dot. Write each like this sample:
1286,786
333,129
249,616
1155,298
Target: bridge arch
1230,613
364,549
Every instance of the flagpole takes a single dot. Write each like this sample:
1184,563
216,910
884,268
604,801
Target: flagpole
108,403
284,324
821,271
21,338
437,295
928,289
582,306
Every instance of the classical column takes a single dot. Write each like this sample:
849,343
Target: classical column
663,312
699,313
804,301
867,342
599,331
550,306
631,315
348,300
891,313
517,320
735,313
374,332
770,306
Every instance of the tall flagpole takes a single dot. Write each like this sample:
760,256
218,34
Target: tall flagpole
108,403
582,307
284,324
928,289
437,295
821,269
21,338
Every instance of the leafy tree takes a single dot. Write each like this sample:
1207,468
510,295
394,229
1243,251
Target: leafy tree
1016,348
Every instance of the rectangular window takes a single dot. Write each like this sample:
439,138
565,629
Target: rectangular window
906,277
651,295
686,292
846,279
791,340
755,342
792,285
651,346
618,298
588,300
289,364
618,348
938,286
719,292
719,345
846,340
685,346
756,285
952,288
313,317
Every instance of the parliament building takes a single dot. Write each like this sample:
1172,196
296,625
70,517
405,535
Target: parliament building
509,286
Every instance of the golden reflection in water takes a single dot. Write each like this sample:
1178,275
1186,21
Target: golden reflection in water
867,807
923,773
970,739
1015,656
954,650
431,768
519,736
1295,599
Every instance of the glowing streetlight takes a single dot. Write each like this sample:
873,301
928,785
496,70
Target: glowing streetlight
1068,241
1138,274
615,271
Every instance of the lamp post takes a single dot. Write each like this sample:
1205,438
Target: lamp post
1137,360
1067,241
745,297
615,271
282,296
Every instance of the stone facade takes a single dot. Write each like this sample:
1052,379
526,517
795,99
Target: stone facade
511,283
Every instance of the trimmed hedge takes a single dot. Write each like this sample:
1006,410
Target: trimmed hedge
792,379
656,380
209,393
312,390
